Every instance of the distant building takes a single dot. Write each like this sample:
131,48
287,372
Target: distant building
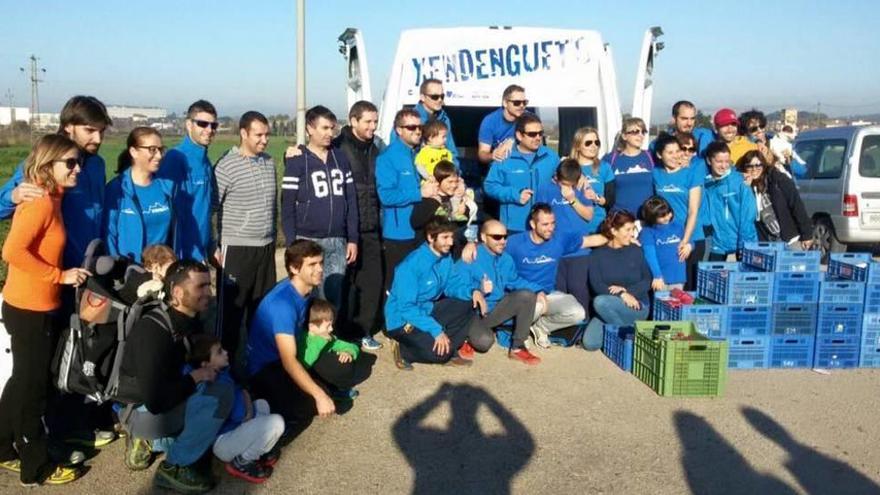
137,114
47,120
8,115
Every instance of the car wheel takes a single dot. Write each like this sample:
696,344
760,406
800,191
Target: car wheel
825,239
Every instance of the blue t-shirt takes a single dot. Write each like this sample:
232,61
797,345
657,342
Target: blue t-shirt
675,188
494,130
632,174
282,311
597,181
537,263
567,219
156,211
660,244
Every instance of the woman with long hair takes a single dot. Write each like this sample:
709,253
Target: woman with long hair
585,146
631,167
137,204
31,296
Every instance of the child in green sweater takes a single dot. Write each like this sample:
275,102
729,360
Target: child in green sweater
320,340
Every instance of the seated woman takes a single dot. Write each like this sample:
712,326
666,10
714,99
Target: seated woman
620,279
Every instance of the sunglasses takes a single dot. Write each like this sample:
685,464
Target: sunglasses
519,103
70,163
437,97
592,142
497,237
753,165
534,134
689,149
152,150
412,128
205,124
635,132
756,128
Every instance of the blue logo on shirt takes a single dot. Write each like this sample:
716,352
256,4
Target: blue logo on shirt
540,260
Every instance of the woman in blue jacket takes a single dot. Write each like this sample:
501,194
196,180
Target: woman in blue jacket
137,205
729,205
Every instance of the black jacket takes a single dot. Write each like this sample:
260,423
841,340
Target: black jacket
362,158
789,209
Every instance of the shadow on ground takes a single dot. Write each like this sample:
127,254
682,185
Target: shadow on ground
461,457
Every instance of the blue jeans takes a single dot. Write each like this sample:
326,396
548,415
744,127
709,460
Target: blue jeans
611,310
206,411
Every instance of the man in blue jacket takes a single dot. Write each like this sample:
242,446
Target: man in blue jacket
514,181
430,107
83,119
423,327
189,168
728,204
319,201
492,283
397,182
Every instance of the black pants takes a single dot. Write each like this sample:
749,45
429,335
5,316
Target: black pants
571,278
23,402
456,316
366,289
692,263
395,252
519,305
248,273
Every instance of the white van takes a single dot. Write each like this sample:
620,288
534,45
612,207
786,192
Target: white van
566,71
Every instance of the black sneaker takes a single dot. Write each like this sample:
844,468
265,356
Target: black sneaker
181,479
250,471
270,458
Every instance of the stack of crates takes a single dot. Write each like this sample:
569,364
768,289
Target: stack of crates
709,318
795,298
869,356
841,311
748,296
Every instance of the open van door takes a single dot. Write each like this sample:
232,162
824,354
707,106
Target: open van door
357,85
643,96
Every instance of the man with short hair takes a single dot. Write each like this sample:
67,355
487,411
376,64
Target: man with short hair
246,215
177,411
536,254
514,181
188,166
684,120
496,137
84,120
727,128
397,181
426,328
495,288
319,202
430,107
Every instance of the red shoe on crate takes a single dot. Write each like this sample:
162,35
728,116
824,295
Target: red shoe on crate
682,296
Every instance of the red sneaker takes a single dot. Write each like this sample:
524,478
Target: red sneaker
466,351
524,356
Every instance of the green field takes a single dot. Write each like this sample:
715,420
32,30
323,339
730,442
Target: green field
11,156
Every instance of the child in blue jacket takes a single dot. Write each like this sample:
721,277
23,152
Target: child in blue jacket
660,236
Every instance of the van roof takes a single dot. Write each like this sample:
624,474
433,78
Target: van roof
844,132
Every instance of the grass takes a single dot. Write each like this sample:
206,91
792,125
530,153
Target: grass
113,145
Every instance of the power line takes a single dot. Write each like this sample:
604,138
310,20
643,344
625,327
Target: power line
35,71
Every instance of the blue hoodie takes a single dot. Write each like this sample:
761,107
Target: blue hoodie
731,210
397,182
507,179
81,207
189,168
419,280
499,268
127,229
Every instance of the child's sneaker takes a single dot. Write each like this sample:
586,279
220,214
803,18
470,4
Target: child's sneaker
370,344
60,476
269,459
347,394
251,471
91,439
181,479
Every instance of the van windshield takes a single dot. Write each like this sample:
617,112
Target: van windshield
869,157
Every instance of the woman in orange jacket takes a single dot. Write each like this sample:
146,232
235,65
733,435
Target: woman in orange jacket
31,296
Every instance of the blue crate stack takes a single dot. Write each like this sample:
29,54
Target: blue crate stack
842,313
859,268
870,352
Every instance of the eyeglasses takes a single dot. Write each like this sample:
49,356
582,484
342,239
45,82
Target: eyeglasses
412,128
519,103
70,163
689,149
534,134
437,97
635,132
205,124
152,150
497,237
592,142
756,128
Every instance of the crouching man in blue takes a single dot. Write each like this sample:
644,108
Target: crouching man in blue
423,327
176,416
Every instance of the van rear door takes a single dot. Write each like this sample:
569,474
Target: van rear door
643,95
357,81
865,182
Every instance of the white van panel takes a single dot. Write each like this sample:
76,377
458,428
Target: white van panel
357,77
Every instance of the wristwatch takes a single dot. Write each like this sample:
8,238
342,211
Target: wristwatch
572,202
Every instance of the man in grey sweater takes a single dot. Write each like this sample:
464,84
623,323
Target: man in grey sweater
246,218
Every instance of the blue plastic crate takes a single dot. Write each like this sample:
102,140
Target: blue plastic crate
748,352
618,345
836,352
780,260
849,266
869,357
874,273
871,330
839,320
796,288
841,292
765,245
748,321
793,351
795,319
709,318
872,298
725,284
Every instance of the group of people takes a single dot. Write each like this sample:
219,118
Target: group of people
377,238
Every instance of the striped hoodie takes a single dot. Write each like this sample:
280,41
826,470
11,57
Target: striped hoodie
246,199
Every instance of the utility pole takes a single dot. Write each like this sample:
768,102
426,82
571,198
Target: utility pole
300,72
818,112
35,72
11,100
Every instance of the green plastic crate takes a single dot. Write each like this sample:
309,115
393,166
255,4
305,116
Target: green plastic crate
679,368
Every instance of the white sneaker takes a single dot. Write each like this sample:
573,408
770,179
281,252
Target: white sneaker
542,338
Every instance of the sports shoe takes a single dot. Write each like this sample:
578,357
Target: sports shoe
270,458
466,351
402,364
458,361
13,465
138,453
62,454
251,471
91,439
347,394
370,344
542,338
181,479
524,356
60,476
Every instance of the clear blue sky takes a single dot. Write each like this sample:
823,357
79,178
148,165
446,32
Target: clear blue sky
241,55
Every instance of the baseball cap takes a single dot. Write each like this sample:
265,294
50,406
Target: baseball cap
724,117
